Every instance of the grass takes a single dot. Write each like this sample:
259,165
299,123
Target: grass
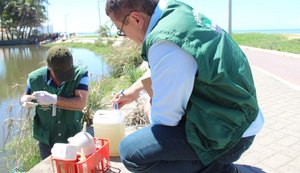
278,42
124,62
88,36
124,58
98,47
22,152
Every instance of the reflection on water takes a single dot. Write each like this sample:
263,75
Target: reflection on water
94,63
16,62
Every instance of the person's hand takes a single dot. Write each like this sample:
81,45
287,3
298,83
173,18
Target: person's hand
124,97
45,98
147,107
26,101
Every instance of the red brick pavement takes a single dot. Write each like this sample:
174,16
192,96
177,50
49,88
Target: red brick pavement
282,66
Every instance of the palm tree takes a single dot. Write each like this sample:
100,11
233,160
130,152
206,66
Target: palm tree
19,17
105,30
3,3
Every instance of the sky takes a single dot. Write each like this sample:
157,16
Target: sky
83,15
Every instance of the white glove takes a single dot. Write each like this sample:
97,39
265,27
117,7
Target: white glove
26,101
45,98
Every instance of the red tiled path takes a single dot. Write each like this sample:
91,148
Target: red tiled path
281,65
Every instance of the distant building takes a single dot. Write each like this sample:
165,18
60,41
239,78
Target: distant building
46,29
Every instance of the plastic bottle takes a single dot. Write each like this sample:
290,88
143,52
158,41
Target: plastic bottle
109,124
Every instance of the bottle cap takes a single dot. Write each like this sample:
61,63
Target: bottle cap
116,106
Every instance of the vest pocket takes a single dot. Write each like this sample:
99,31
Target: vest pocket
41,132
208,130
73,129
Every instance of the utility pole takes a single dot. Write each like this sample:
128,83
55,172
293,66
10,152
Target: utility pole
66,23
100,34
229,17
48,18
99,16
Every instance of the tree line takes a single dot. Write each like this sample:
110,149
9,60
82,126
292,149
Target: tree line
19,19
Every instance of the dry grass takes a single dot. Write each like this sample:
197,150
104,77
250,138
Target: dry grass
136,117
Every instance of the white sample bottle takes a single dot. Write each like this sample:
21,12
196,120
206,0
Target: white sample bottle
109,124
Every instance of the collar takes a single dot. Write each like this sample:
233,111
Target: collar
50,81
161,6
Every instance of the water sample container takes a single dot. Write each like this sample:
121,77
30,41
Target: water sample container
109,124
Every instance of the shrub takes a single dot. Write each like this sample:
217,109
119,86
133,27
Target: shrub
124,58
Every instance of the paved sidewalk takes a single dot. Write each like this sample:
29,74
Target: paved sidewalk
277,147
277,76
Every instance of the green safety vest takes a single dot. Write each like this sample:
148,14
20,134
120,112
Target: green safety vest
223,102
50,129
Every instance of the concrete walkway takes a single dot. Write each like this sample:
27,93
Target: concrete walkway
277,147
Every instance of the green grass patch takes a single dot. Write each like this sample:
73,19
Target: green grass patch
87,36
279,42
98,47
124,58
22,152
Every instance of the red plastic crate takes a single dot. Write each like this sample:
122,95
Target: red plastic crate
98,162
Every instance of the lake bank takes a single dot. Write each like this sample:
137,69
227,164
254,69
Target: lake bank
16,42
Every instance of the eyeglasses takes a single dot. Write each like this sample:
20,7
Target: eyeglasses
120,32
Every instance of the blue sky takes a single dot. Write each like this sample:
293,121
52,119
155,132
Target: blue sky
83,15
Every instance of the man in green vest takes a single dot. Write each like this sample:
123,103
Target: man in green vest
204,112
61,91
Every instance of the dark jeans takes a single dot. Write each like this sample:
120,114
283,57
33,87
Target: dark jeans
45,150
159,148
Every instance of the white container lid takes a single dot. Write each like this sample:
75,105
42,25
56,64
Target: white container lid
63,151
107,117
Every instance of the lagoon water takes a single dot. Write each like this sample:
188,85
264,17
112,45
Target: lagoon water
15,64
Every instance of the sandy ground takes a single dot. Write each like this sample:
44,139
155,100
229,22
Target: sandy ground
117,40
292,36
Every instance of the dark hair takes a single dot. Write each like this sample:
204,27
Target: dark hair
120,8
